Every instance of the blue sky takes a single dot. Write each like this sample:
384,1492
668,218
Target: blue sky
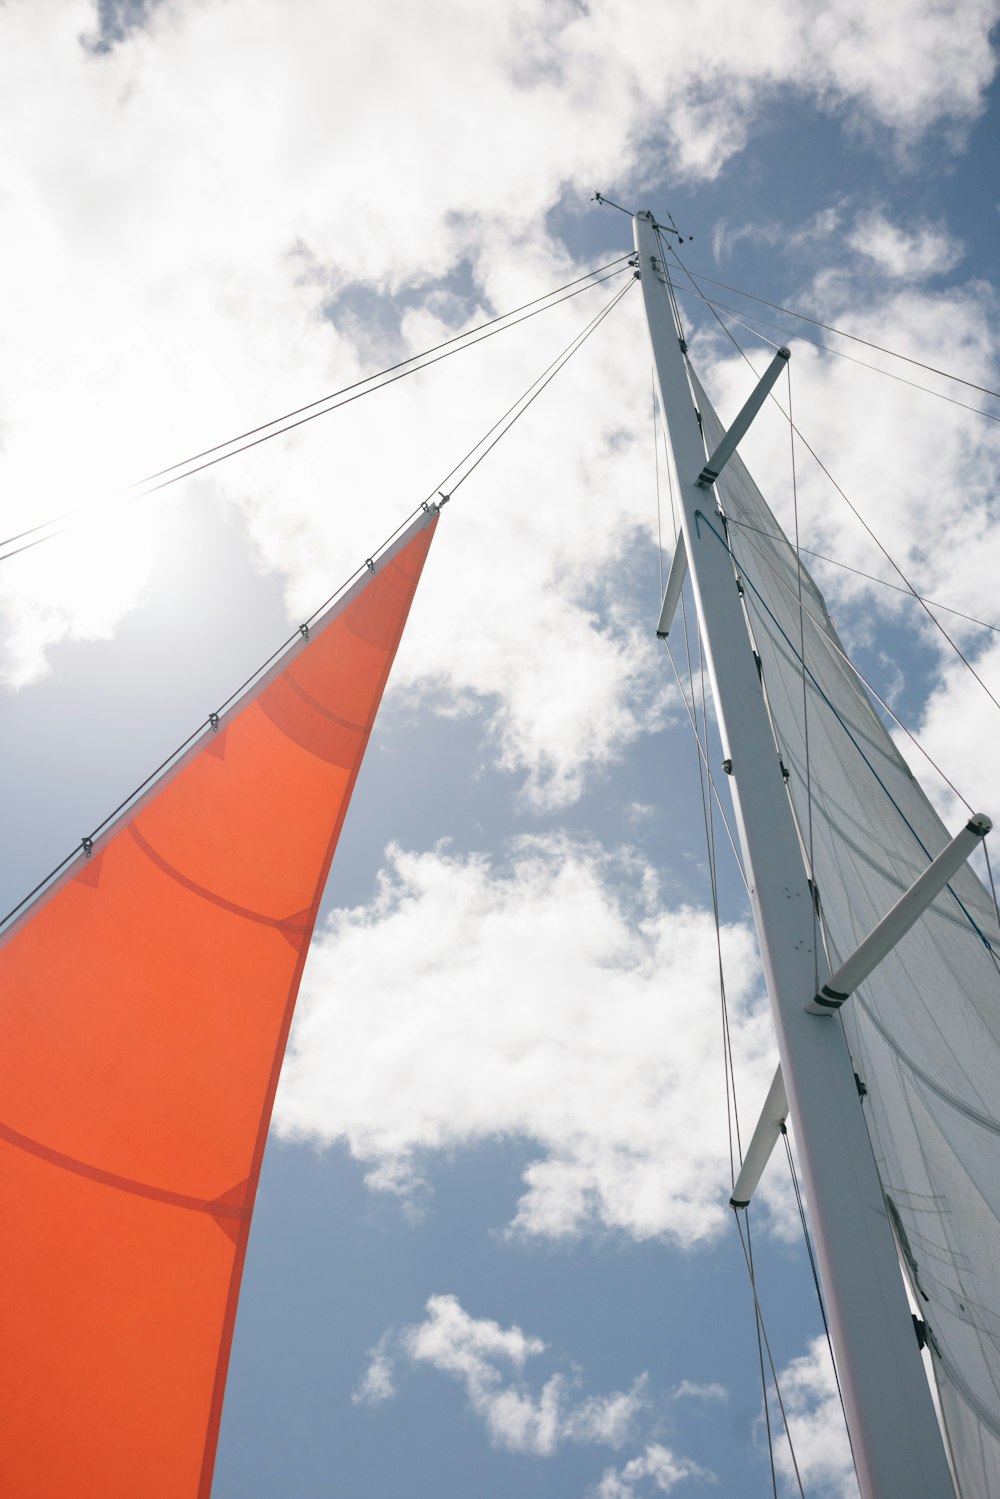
213,212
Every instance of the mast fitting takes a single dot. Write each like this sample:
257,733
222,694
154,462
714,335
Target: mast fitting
672,592
727,447
770,1127
908,909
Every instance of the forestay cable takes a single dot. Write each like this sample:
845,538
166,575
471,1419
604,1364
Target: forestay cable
507,421
187,468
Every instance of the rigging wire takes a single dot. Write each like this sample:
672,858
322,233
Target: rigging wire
893,564
834,646
656,468
732,1102
802,658
704,773
815,1270
815,343
848,730
702,748
708,798
748,1256
809,849
909,589
759,1323
805,689
697,276
841,333
543,380
854,510
732,1107
186,468
503,317
688,707
989,871
871,578
529,396
703,753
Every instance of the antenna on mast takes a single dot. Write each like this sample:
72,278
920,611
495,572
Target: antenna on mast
670,228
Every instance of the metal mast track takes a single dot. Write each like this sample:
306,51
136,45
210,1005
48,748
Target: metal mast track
894,1431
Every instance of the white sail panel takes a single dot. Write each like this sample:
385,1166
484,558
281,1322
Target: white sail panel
924,1029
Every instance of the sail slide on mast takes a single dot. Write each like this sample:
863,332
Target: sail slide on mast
924,1027
147,997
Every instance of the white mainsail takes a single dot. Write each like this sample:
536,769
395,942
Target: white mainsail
924,1029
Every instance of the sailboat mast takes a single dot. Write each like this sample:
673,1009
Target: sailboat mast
897,1444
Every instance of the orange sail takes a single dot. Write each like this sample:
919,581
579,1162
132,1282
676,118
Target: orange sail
145,1003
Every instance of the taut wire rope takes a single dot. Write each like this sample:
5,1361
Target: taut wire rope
834,646
854,337
688,708
871,578
187,468
815,343
696,276
530,395
815,1275
748,1256
853,508
805,694
709,796
846,727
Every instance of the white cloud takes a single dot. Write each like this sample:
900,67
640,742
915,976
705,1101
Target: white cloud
920,471
690,1390
179,234
958,727
905,254
900,252
489,1362
659,1465
822,1451
900,61
378,1383
813,235
550,998
922,474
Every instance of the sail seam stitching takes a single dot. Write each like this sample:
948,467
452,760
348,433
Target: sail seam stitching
291,925
121,1183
